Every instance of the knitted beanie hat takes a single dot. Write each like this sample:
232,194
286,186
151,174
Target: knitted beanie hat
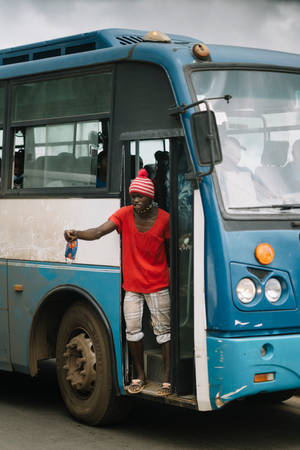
142,185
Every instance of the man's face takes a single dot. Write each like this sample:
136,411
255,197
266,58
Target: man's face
139,201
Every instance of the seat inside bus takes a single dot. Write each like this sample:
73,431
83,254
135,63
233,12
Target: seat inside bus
273,160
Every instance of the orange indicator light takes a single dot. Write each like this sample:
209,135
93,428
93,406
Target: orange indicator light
264,253
201,51
18,287
262,377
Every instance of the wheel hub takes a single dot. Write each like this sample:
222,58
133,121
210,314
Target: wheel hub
80,363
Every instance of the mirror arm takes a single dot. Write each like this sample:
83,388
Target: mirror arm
183,108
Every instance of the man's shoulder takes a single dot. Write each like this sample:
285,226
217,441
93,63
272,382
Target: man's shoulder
121,213
164,214
124,210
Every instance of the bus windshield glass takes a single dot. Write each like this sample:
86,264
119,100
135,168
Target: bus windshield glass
260,136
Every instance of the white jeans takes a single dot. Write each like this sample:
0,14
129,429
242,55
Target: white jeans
159,307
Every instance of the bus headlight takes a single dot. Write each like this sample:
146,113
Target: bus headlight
273,290
246,290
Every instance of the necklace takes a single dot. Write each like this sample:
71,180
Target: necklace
143,211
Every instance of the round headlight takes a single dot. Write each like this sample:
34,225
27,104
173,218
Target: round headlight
273,290
246,290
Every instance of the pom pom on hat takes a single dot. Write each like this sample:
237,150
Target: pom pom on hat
143,173
142,184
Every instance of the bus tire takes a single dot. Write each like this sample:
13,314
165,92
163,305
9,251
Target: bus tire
84,370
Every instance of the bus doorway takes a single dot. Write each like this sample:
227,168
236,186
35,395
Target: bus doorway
167,165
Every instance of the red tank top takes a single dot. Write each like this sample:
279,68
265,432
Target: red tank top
145,268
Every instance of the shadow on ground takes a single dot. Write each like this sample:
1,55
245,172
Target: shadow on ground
244,425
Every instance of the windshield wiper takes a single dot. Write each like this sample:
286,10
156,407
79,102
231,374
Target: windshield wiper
282,206
290,206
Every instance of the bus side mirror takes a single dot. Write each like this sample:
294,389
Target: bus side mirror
206,138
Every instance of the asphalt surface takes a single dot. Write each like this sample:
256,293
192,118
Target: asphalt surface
32,416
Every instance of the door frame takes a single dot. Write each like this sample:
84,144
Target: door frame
200,370
200,323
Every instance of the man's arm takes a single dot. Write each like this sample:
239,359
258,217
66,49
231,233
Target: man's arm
92,233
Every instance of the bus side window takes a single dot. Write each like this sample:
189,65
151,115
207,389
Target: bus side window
60,155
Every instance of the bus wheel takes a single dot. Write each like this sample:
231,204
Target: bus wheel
83,366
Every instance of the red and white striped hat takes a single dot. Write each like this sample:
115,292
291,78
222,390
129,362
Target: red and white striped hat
142,184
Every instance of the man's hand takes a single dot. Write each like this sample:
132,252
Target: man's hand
70,235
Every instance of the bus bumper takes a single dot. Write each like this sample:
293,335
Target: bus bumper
241,367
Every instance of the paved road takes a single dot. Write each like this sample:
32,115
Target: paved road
33,417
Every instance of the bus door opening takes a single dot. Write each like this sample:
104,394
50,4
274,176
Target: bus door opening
167,165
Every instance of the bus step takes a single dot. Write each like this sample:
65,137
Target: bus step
150,392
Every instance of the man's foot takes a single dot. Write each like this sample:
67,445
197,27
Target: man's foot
165,390
136,386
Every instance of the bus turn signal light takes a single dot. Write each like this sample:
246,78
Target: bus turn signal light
264,253
262,377
18,287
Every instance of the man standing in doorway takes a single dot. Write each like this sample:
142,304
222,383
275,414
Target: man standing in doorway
145,233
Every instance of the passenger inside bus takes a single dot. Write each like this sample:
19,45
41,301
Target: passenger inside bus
162,168
133,172
232,154
19,169
102,141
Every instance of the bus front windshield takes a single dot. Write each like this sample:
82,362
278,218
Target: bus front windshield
260,137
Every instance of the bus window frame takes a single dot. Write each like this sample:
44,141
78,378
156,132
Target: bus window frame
10,127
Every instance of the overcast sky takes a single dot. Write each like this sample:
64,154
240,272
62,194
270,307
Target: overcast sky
272,24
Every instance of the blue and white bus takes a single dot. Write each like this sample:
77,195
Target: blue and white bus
218,129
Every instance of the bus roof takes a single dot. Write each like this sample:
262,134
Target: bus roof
78,43
244,55
117,44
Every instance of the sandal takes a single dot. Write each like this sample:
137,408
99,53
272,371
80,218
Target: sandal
136,386
165,390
